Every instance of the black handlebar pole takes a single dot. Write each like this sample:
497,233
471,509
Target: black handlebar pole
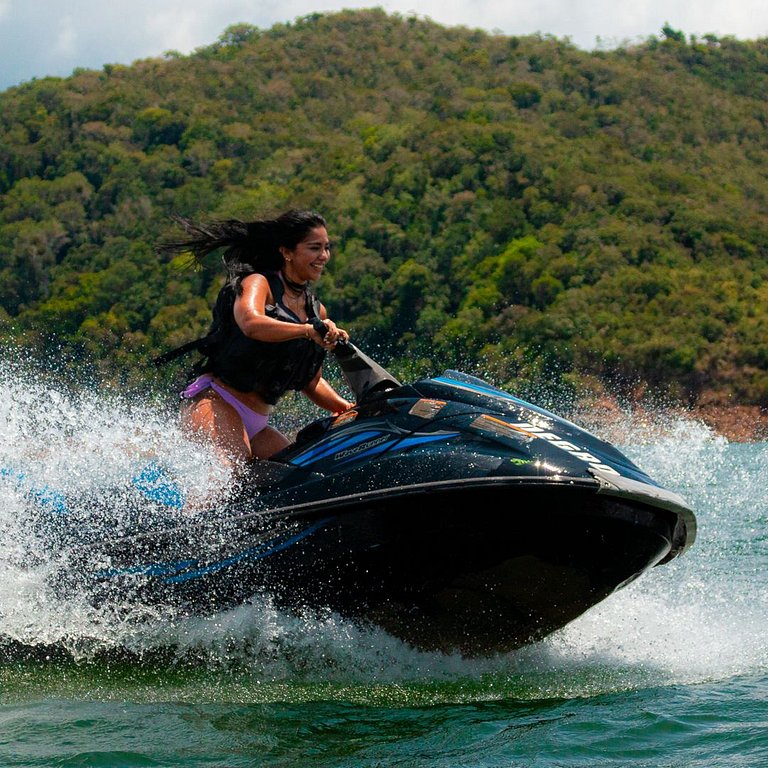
363,375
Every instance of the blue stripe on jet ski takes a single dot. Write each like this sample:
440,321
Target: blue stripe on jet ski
409,442
172,570
50,499
398,445
255,553
154,484
333,446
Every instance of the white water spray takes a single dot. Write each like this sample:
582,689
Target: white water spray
59,449
701,617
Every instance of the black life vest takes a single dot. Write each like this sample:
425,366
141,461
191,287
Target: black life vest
268,368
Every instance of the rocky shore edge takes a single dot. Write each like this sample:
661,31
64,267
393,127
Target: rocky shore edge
735,423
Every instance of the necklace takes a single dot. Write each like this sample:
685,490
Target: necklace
294,294
295,287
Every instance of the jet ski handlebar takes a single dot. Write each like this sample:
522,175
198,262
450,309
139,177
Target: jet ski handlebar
363,375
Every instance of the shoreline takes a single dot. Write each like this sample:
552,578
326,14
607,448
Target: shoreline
735,423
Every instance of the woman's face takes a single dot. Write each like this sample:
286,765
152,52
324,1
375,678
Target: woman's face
308,259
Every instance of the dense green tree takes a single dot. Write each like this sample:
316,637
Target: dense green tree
509,204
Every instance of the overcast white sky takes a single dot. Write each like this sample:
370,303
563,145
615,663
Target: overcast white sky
52,37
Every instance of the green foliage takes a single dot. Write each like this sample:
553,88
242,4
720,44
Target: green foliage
154,126
672,34
507,205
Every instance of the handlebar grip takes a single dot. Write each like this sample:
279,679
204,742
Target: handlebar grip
319,326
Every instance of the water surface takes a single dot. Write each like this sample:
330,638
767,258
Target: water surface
671,671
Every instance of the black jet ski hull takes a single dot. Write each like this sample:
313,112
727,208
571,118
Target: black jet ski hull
478,567
451,514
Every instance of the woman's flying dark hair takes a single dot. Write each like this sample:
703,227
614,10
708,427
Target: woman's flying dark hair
252,246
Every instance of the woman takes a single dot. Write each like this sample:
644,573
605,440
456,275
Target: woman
269,332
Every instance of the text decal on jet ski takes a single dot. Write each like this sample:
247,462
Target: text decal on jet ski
367,443
531,430
371,444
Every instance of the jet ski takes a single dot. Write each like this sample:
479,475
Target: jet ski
448,512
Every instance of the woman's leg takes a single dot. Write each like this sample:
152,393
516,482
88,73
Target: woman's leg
208,415
268,442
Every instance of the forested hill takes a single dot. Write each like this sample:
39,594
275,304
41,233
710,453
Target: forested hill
509,201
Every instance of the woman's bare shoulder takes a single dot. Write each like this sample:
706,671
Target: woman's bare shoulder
255,294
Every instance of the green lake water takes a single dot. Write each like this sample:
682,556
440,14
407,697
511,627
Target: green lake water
671,671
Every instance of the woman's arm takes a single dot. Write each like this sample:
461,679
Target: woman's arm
321,393
251,316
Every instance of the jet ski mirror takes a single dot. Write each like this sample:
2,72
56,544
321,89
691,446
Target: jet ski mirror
362,375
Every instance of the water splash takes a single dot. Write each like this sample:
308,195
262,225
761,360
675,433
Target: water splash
59,449
701,617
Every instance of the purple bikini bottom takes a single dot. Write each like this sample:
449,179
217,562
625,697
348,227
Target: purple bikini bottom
252,421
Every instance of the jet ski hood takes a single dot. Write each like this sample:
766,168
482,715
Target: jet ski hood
447,415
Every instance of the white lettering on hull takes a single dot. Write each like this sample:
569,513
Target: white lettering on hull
579,453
